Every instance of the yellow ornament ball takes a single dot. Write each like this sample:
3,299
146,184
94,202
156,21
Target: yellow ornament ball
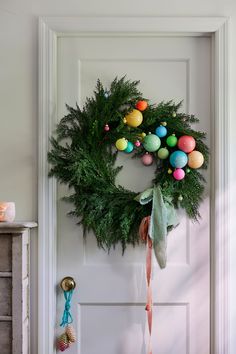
195,159
134,118
141,136
121,144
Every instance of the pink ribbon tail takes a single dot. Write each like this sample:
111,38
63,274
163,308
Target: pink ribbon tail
143,232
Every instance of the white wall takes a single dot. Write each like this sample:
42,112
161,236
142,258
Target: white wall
18,93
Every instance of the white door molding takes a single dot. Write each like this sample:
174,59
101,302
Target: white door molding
50,29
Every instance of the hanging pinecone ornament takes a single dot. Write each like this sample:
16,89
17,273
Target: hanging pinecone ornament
63,342
70,331
69,336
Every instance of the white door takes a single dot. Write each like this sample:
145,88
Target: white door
108,305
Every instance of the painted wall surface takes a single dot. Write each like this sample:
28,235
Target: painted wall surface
18,97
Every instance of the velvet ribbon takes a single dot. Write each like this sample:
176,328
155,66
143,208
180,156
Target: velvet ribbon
153,230
143,232
163,216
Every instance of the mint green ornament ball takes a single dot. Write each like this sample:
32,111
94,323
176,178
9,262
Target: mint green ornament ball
163,153
171,141
151,142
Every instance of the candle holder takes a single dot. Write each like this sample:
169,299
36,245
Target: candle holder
7,211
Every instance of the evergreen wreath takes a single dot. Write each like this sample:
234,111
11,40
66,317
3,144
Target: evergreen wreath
83,157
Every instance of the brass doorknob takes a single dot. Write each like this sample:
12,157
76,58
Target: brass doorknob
68,284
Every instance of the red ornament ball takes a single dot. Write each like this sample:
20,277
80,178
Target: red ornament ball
186,143
179,174
147,159
106,128
141,105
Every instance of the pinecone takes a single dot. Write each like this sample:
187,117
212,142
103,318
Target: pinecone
63,342
70,331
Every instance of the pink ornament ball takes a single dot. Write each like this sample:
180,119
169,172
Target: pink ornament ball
186,143
137,143
179,174
147,159
106,128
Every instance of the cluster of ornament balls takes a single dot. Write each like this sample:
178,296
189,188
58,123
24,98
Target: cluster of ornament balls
67,338
184,156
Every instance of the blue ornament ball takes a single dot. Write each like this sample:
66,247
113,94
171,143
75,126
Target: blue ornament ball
161,131
130,147
178,159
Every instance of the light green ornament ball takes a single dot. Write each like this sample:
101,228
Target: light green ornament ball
163,153
171,140
151,142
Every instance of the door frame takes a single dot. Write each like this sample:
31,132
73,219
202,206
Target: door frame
50,28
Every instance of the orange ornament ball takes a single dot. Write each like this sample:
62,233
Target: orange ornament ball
141,105
195,159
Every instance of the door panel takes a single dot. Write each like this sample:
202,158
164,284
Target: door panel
109,303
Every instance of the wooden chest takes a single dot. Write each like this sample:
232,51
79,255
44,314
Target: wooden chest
14,287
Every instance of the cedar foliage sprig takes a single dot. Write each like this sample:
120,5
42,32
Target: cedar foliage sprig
82,156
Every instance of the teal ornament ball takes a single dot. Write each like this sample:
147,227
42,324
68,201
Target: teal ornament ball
161,131
151,142
171,140
163,153
178,159
130,147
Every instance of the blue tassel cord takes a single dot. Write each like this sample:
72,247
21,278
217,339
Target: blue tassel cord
67,317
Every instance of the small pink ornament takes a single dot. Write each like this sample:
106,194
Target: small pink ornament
106,128
137,143
186,143
147,159
179,174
